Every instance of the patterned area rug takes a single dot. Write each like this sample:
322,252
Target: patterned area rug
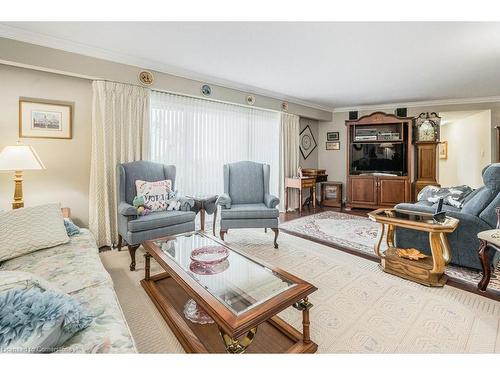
357,307
359,234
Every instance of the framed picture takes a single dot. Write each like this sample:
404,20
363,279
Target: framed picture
443,150
332,136
39,118
307,142
333,145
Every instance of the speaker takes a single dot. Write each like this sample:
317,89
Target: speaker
353,115
401,112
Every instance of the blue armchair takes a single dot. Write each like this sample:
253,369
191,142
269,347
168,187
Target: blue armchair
137,229
246,202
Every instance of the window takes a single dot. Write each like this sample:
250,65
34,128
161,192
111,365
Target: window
200,136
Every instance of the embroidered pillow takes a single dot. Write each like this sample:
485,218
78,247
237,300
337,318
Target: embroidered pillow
26,230
155,193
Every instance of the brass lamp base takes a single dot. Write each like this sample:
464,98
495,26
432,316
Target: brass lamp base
18,190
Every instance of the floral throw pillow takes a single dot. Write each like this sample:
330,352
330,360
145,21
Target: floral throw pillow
155,193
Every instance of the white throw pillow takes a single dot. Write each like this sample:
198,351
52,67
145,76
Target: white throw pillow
26,230
155,193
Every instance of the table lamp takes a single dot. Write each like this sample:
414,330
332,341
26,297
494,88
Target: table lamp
19,158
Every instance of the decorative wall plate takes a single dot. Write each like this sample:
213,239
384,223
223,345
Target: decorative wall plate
307,142
250,100
146,77
206,90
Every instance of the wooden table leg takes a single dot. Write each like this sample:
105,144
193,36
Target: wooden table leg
437,255
286,199
390,236
314,196
483,256
304,306
202,218
446,248
300,201
379,241
147,266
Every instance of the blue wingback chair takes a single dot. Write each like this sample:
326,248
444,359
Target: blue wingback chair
246,202
137,229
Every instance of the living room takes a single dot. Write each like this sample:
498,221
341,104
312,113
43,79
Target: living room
156,202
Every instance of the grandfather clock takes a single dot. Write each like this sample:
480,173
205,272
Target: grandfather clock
426,154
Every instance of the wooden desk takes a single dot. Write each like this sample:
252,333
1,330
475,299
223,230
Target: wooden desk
300,183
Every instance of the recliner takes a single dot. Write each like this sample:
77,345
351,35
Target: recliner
476,215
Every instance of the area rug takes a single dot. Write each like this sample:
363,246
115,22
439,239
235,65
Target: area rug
359,234
357,307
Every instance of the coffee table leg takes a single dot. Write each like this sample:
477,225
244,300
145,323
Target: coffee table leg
446,248
483,256
304,306
238,346
147,266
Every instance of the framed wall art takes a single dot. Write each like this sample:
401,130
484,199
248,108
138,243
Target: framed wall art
332,136
333,146
307,142
443,150
39,118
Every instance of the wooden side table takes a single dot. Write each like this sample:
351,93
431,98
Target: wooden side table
300,183
331,194
428,271
206,204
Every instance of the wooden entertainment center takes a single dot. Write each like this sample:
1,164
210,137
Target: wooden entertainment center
379,160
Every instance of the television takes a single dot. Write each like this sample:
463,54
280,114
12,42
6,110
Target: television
378,158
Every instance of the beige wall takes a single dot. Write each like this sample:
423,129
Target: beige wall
335,162
312,159
66,179
18,53
469,139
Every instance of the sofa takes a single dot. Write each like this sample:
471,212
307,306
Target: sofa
76,269
476,215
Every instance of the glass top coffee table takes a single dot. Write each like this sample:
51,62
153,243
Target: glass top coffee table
216,298
429,270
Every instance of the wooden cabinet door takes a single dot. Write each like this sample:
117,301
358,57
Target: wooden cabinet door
363,190
426,156
392,191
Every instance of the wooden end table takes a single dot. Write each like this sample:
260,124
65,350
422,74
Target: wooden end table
428,271
205,204
238,299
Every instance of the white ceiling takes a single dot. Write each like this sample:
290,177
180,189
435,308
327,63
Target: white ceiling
329,64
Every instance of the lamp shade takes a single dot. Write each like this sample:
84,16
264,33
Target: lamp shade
19,158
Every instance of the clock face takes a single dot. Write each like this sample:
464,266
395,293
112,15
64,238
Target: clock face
306,142
426,132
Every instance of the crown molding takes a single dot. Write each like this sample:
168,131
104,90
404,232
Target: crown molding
16,33
425,103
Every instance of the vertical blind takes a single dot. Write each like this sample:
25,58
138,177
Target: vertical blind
200,136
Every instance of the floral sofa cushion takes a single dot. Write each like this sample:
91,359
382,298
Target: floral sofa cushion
75,268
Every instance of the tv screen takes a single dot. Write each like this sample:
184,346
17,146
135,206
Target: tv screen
378,157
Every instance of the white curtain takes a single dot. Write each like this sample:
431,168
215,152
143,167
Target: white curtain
120,120
289,158
199,136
